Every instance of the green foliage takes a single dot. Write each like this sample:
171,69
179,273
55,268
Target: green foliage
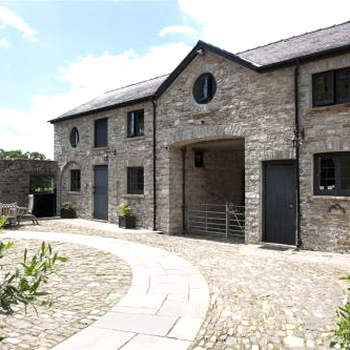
124,209
23,285
342,333
19,154
67,205
41,184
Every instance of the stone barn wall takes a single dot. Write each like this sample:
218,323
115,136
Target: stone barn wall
15,178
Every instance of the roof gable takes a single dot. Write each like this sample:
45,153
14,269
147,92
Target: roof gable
201,45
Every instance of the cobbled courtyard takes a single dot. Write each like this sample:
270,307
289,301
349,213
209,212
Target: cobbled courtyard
260,298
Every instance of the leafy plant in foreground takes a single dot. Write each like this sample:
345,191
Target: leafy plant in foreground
342,333
23,285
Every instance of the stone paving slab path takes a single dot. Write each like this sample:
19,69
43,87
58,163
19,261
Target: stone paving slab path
163,309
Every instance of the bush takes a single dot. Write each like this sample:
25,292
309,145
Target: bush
23,285
342,333
68,211
124,209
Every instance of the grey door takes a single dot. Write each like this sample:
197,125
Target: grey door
279,202
101,192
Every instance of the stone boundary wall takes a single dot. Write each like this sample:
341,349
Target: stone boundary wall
15,178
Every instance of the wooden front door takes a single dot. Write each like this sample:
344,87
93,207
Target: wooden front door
279,202
101,192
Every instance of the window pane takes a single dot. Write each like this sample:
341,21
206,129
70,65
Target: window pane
327,174
344,167
135,123
323,88
343,85
75,180
135,180
101,132
139,124
332,174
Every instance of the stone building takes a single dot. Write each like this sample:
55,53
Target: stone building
254,143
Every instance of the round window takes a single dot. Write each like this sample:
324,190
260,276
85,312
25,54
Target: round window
204,88
74,137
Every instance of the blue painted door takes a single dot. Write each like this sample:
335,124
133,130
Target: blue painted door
101,192
279,202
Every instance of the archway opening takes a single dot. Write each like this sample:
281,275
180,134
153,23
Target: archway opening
212,174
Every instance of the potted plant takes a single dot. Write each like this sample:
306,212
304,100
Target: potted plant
68,211
126,220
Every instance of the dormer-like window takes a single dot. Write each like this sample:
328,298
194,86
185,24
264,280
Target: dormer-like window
331,87
136,123
204,88
101,132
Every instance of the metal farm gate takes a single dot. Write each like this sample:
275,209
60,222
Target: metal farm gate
226,220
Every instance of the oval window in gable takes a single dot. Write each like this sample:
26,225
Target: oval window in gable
74,137
204,88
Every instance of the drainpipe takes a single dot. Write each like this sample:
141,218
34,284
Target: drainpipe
183,150
297,154
154,165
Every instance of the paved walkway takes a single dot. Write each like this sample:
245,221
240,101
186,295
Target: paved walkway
163,309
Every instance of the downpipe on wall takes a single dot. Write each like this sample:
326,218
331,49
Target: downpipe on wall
154,165
183,151
296,145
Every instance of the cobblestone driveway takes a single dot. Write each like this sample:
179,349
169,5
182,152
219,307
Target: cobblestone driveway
260,298
83,290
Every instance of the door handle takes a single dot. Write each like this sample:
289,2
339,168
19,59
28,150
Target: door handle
291,205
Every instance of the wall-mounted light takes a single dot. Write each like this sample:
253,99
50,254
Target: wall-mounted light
198,159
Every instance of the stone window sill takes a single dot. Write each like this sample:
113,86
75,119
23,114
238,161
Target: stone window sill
106,148
336,107
135,138
135,196
331,198
74,192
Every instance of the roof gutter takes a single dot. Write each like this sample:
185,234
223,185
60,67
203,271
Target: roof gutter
102,109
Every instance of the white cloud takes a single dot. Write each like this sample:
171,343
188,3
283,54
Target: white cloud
4,43
239,25
88,76
9,18
178,30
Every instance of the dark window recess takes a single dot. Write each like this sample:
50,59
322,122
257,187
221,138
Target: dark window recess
135,180
198,159
135,123
75,180
342,85
332,174
74,137
101,132
332,87
204,88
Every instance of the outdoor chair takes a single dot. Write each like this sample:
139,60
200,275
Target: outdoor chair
28,212
10,212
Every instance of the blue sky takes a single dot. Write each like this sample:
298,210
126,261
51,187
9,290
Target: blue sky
55,55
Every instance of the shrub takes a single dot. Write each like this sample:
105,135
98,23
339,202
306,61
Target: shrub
67,205
124,209
23,285
342,333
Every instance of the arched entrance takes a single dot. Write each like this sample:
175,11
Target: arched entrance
207,186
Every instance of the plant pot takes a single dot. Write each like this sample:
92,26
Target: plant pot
68,213
127,221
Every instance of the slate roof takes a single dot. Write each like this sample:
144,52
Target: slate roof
302,45
319,43
134,93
